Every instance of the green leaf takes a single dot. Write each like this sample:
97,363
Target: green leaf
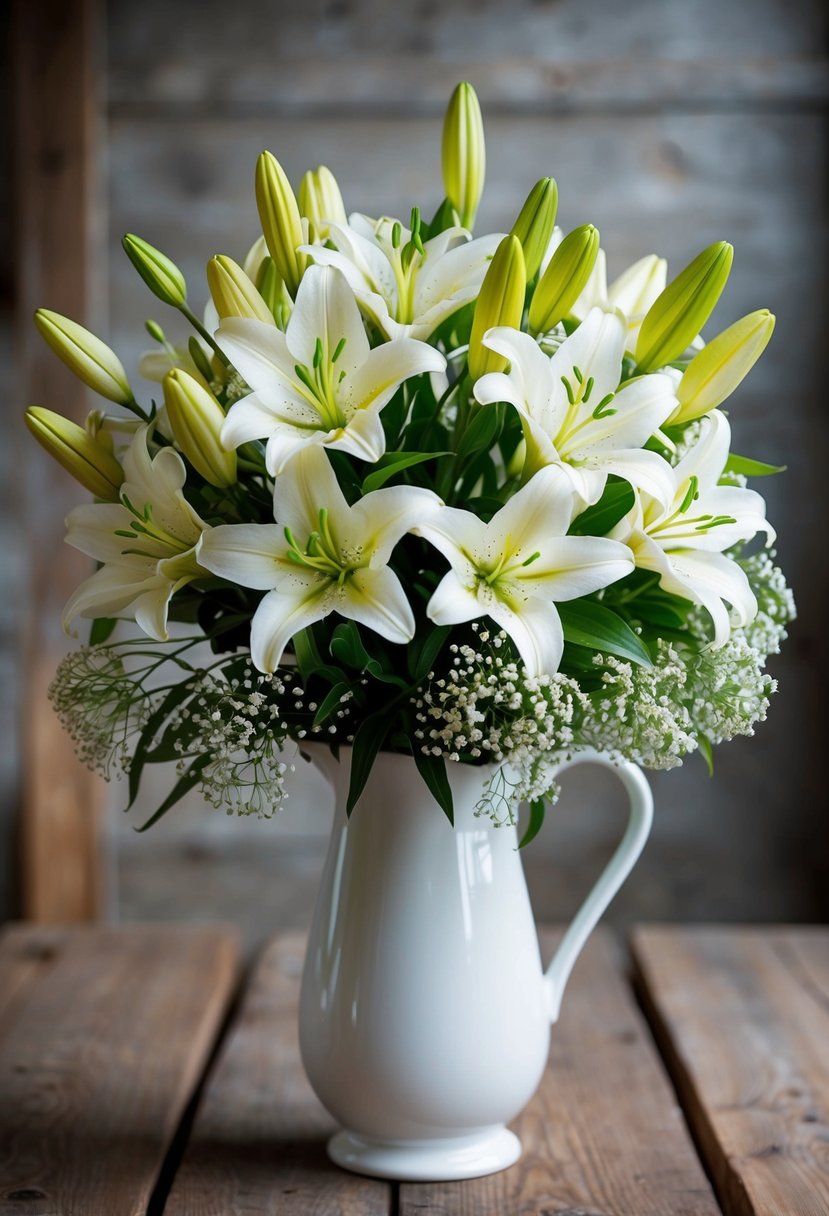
481,431
613,505
370,737
174,697
347,647
705,750
537,812
394,463
330,703
433,771
751,468
184,784
101,630
422,655
589,624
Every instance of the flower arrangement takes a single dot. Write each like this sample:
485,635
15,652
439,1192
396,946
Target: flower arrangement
445,495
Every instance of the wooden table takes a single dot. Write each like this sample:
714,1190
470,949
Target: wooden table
140,1074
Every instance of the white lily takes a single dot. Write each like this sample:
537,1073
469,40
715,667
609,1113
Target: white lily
518,565
321,556
683,542
572,413
405,292
148,543
631,294
319,382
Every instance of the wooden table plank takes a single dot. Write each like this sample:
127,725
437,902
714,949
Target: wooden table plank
258,1142
104,1036
604,1134
743,1019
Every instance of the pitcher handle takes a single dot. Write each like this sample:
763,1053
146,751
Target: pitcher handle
611,878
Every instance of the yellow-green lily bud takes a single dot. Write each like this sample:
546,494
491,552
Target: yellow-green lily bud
564,279
162,276
88,357
196,418
464,153
281,221
320,200
535,223
271,288
500,302
88,460
233,293
679,313
714,373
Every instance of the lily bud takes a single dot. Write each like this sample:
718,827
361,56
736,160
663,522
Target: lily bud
535,223
500,302
565,278
162,276
320,200
281,221
82,455
233,293
270,287
714,373
679,313
196,418
464,153
88,357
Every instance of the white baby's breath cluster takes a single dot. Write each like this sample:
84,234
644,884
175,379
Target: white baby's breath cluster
96,700
640,712
238,728
775,603
489,707
726,691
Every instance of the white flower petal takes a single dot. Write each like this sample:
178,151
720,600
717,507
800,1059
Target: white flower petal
260,354
542,509
572,566
247,554
306,485
326,309
596,349
536,631
91,529
637,288
453,602
645,470
376,598
279,616
252,418
707,458
379,520
641,407
443,277
113,590
460,536
708,579
385,369
364,436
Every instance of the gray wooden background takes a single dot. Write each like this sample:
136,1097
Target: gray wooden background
667,123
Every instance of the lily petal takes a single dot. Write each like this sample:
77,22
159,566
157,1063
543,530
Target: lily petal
244,553
279,616
376,598
536,631
326,309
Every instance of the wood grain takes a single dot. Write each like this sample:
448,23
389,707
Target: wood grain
104,1037
55,86
604,1135
521,55
742,1016
258,1142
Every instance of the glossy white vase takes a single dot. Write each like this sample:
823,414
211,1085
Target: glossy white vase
425,1011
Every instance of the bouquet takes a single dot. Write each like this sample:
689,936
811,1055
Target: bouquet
408,489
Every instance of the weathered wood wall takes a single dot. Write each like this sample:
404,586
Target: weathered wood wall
669,125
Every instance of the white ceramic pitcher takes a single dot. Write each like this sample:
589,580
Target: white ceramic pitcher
425,1011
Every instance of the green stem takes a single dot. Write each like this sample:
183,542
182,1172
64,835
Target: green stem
203,333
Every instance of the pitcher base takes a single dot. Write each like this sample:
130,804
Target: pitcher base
446,1160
